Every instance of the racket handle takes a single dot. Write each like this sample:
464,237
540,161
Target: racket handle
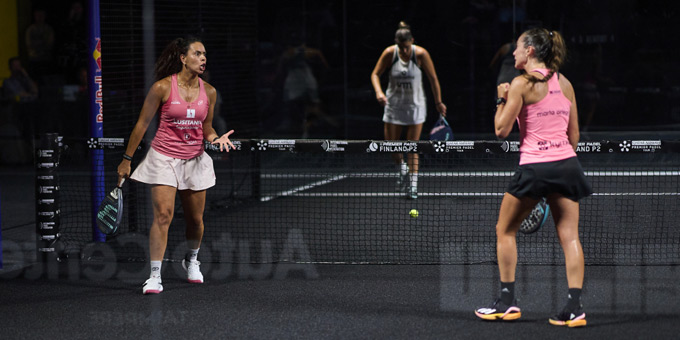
122,180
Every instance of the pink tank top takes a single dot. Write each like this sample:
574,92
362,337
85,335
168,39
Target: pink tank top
543,126
180,130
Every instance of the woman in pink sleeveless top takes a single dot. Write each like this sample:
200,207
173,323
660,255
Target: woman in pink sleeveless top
542,102
176,161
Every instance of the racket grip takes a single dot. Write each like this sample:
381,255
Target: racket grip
122,180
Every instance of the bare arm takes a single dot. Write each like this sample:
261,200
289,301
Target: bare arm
572,129
209,132
159,90
428,66
507,113
380,67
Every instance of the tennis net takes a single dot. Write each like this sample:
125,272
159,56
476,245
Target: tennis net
335,201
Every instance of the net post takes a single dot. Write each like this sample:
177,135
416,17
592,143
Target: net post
47,195
96,115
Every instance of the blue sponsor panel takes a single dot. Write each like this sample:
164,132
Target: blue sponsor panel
96,114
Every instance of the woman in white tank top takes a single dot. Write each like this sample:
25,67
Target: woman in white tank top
405,99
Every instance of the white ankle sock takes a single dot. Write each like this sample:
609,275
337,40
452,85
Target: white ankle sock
403,168
414,179
156,269
192,255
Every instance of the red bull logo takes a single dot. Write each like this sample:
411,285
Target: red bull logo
97,54
99,95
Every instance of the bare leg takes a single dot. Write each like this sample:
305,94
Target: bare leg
193,203
566,215
513,211
393,132
163,199
413,133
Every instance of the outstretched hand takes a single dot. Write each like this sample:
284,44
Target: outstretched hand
224,142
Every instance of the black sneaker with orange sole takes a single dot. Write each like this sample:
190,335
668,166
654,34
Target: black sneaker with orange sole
569,318
499,311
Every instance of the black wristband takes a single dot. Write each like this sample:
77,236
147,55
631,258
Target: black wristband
216,138
500,100
125,156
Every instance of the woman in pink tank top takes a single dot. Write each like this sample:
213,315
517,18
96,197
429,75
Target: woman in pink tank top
542,102
176,161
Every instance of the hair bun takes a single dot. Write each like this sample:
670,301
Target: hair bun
403,24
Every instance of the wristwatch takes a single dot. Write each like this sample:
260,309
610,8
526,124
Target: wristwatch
500,101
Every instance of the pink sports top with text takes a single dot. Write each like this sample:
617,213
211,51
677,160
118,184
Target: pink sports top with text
543,126
180,131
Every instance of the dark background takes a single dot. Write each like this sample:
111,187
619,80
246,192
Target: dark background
622,61
621,56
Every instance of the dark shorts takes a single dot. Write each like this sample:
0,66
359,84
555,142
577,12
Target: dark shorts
538,180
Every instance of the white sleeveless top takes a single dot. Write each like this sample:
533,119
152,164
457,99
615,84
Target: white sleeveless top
405,95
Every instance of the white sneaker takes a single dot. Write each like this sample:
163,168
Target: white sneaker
193,269
152,286
412,193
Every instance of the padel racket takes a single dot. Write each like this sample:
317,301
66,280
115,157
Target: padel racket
537,217
110,212
441,130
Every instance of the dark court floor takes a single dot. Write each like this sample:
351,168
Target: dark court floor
86,301
90,299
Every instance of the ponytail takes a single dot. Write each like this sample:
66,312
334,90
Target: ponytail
549,48
559,51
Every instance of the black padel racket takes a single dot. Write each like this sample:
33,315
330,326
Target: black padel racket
536,218
110,212
441,130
